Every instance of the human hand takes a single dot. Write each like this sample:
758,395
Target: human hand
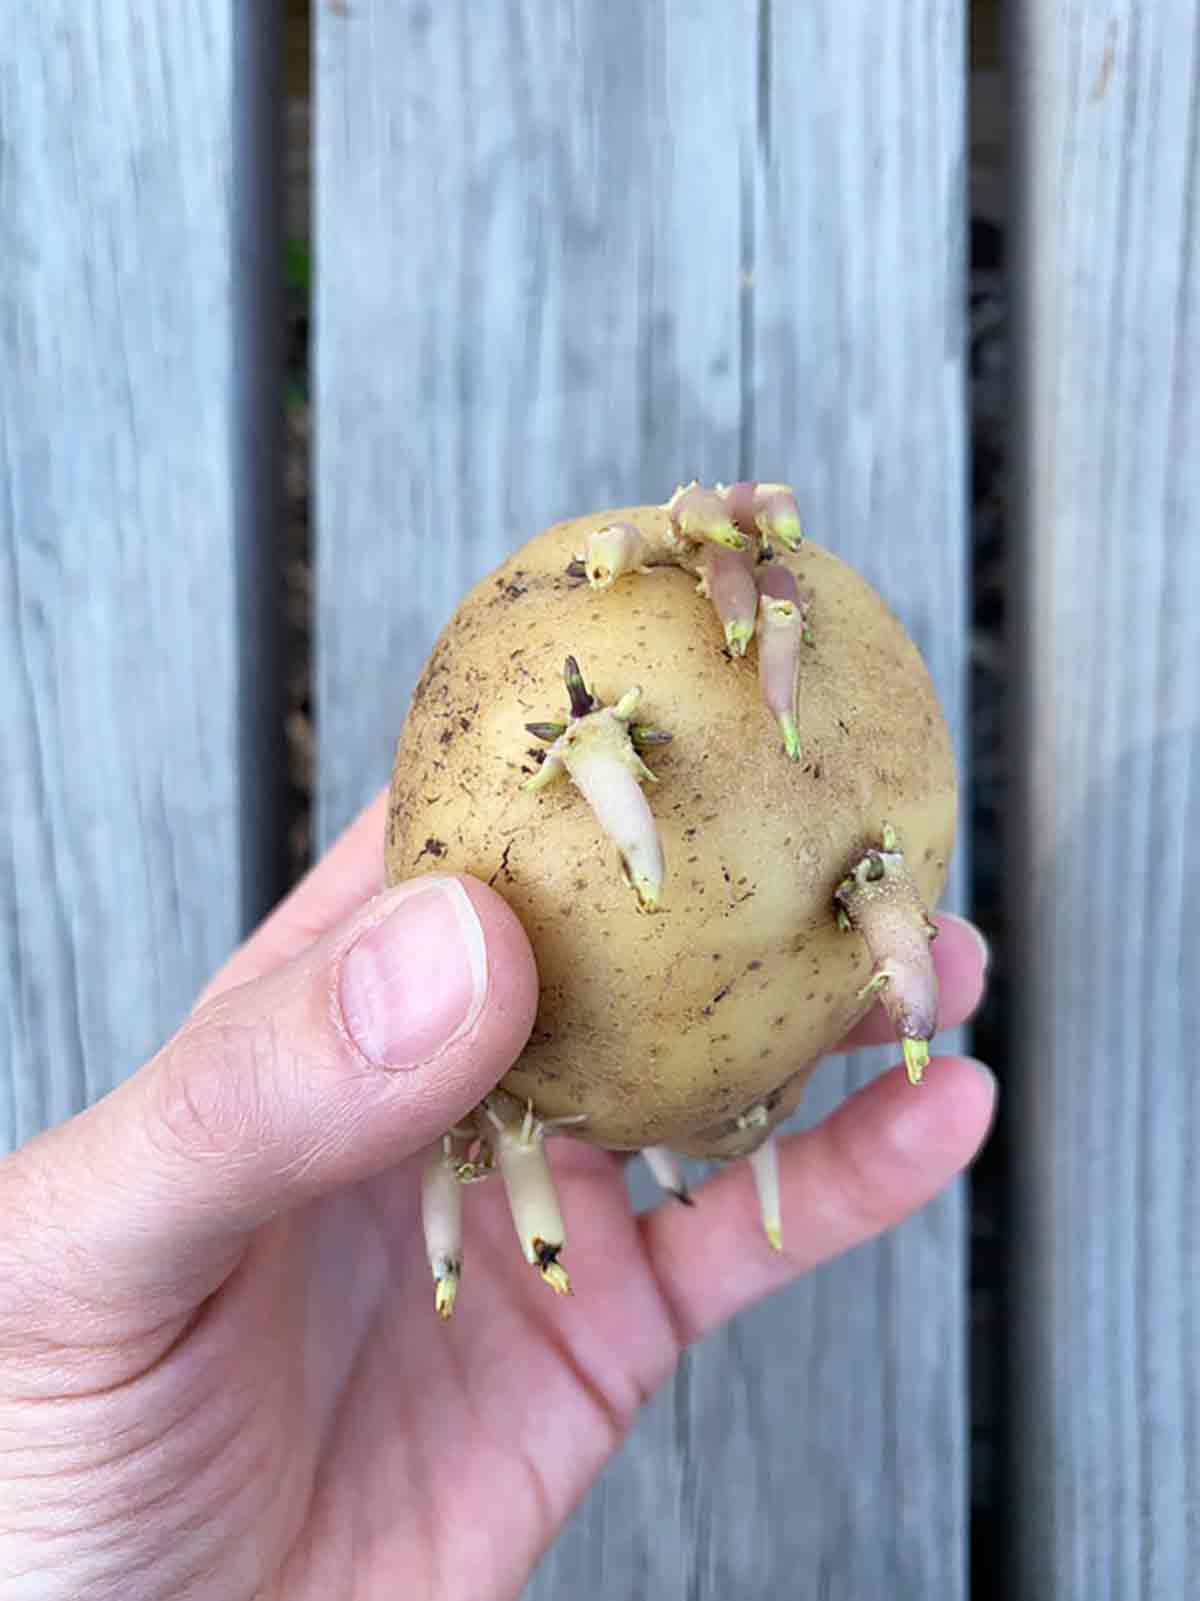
220,1371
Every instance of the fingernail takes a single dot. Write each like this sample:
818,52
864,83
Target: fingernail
415,981
985,950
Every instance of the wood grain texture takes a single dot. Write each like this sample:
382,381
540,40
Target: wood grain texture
527,305
1105,1458
121,885
566,257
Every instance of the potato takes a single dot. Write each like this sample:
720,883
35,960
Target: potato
709,914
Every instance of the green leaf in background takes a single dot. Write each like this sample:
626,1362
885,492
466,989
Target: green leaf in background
297,266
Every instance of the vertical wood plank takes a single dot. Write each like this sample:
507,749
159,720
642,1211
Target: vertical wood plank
853,1422
1105,1448
824,1436
122,801
255,400
566,257
528,240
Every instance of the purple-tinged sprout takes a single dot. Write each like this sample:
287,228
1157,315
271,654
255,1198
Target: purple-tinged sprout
727,576
879,899
619,548
783,628
582,701
780,636
700,516
765,511
739,499
773,579
598,750
777,516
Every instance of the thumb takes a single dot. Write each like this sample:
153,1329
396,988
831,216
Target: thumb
357,1053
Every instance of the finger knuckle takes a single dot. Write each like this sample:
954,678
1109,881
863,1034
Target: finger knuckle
210,1088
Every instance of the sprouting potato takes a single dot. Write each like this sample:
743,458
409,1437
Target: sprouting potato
705,765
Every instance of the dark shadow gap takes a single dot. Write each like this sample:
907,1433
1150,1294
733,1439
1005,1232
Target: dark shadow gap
256,291
987,786
294,545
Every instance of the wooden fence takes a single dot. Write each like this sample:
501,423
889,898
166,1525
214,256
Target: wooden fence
567,254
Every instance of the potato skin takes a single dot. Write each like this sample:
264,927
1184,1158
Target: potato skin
667,1027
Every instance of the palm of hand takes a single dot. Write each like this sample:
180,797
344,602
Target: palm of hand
369,1444
362,1436
315,1430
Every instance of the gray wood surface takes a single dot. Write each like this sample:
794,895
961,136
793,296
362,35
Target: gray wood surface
1105,1112
125,803
567,256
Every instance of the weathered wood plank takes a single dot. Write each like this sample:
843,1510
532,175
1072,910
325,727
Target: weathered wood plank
566,257
510,326
851,1427
123,802
1105,1117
